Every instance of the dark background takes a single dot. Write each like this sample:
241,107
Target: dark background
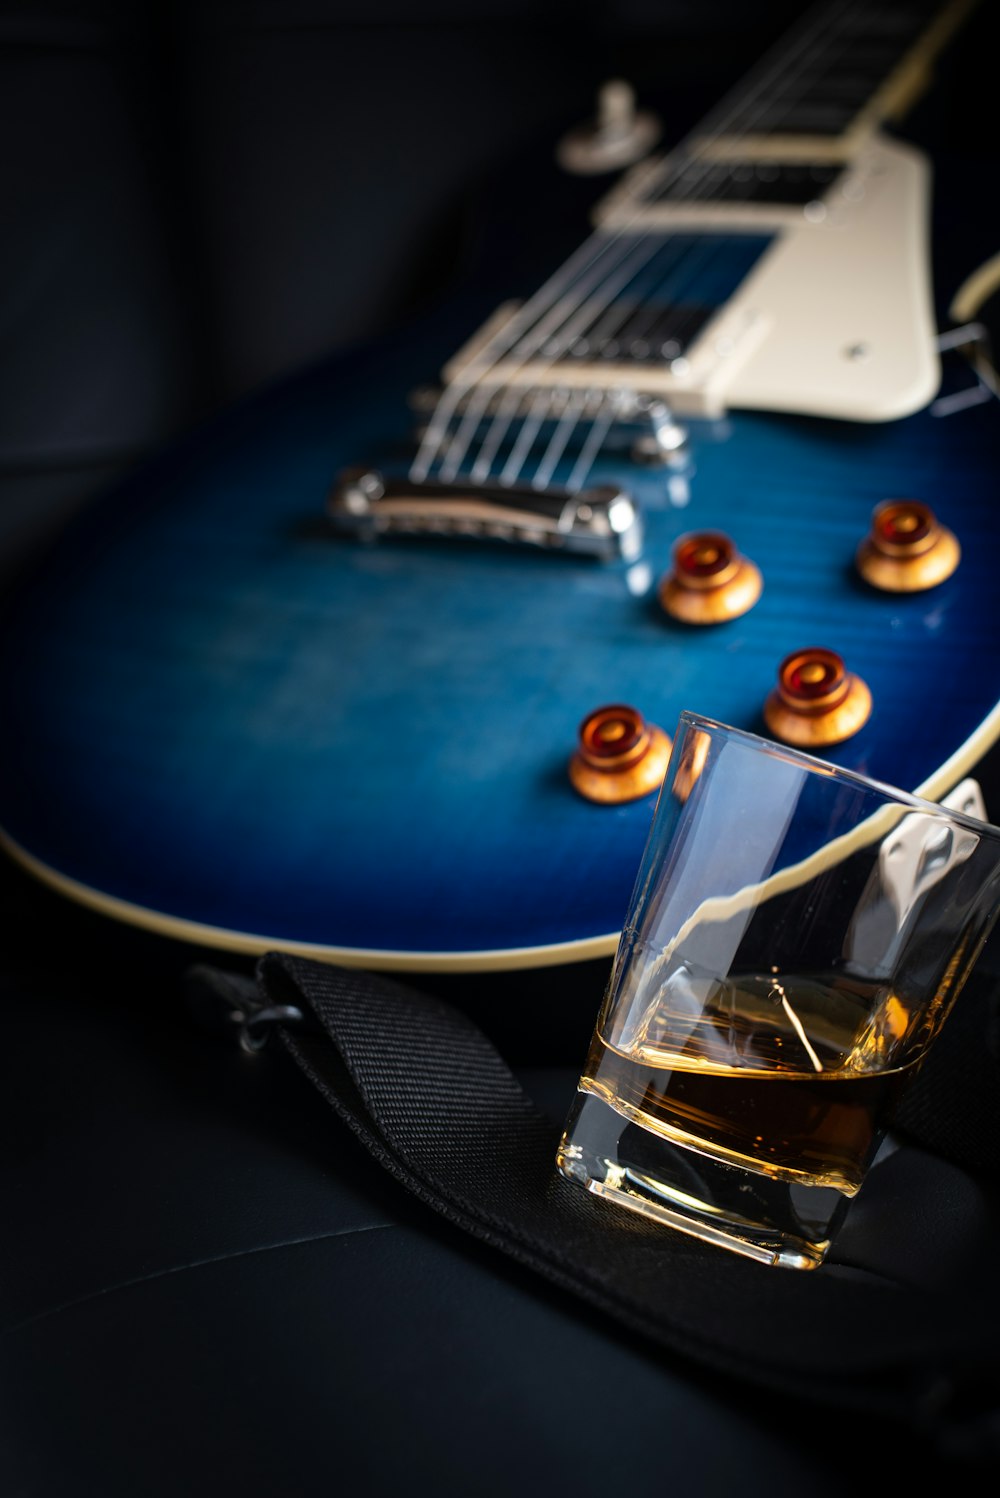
197,199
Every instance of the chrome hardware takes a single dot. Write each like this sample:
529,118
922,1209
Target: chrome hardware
624,403
973,342
666,438
618,136
231,1004
603,522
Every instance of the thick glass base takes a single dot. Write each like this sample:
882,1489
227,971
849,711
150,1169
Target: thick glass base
786,1223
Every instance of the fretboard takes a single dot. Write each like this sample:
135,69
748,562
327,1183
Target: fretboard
843,70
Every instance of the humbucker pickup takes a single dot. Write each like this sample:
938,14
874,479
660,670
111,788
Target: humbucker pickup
602,522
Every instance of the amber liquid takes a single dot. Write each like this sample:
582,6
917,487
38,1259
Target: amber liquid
796,1103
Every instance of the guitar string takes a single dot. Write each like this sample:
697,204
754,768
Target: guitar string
572,412
517,396
828,15
578,322
557,310
635,256
647,320
583,259
610,405
574,399
612,330
606,405
632,261
705,250
697,252
702,252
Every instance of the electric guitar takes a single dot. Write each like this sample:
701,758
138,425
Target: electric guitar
384,671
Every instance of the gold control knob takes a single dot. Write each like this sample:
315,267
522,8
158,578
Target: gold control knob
709,581
907,548
619,756
816,701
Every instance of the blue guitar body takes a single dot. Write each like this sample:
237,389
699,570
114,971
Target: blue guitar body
229,723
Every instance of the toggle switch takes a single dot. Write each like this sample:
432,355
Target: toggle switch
619,135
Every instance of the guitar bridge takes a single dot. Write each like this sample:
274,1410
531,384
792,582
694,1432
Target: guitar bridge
602,522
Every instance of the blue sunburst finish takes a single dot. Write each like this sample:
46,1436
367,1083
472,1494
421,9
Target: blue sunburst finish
222,715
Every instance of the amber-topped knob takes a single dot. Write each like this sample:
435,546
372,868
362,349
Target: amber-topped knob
619,756
816,701
710,581
907,548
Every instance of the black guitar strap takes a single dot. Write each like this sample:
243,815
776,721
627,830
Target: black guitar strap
428,1095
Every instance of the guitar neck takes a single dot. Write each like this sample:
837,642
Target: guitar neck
841,73
814,101
698,292
837,77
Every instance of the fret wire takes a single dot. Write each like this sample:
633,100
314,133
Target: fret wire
774,64
865,25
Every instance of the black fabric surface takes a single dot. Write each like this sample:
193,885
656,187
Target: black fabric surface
429,1096
953,1107
208,1286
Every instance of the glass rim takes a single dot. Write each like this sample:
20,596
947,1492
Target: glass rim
828,770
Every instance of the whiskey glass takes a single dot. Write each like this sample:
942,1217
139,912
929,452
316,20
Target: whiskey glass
796,938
